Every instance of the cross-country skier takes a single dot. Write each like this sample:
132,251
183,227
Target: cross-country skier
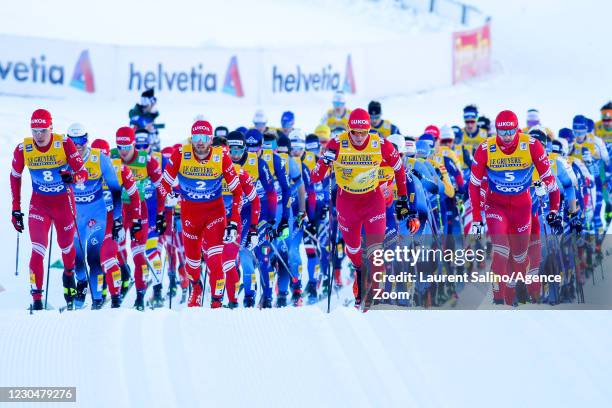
48,156
172,239
316,230
152,248
384,127
143,114
144,168
533,122
356,156
289,248
200,170
247,228
256,255
508,161
114,228
593,153
323,132
279,169
92,221
473,135
338,115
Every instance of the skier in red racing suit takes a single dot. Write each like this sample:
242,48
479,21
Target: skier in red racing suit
357,156
508,160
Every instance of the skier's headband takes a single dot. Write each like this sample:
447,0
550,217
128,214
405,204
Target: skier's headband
236,143
470,116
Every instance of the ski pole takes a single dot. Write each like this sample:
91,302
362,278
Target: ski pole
49,265
578,272
17,257
280,258
156,276
204,283
76,226
170,263
316,241
556,251
333,232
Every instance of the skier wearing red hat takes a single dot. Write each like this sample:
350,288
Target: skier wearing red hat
434,131
356,156
144,168
115,281
200,169
508,161
172,239
48,156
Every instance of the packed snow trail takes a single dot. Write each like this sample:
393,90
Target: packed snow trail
304,357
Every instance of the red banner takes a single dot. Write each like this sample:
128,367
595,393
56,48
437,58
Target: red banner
471,53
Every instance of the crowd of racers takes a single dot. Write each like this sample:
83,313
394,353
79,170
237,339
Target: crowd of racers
237,210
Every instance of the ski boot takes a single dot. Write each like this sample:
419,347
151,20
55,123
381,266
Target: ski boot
311,291
115,301
216,303
296,294
126,275
183,295
231,305
172,286
37,304
281,299
266,303
139,303
97,304
324,283
81,294
249,301
195,299
157,300
358,302
69,289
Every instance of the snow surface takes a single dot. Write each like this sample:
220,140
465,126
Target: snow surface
548,54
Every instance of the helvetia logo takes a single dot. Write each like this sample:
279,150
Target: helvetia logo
328,79
194,79
82,78
39,71
232,84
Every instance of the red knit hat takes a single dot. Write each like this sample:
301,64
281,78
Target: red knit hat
506,120
359,119
102,145
433,130
201,127
41,119
125,136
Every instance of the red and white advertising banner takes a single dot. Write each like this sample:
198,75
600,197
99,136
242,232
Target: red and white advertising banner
471,53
